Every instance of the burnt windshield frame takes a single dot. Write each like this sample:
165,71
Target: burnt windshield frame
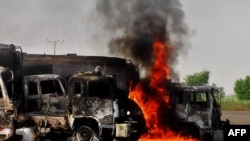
51,86
79,88
199,98
180,97
32,88
100,88
92,88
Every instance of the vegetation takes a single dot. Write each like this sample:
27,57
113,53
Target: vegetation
198,78
232,103
242,88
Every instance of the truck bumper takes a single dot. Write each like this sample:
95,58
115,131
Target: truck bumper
6,133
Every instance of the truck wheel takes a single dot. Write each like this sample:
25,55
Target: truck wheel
207,137
83,133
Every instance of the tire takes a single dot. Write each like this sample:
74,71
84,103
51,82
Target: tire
190,130
208,137
83,133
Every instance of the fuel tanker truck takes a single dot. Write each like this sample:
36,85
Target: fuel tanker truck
90,110
92,104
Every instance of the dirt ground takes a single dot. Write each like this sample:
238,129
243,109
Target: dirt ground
237,117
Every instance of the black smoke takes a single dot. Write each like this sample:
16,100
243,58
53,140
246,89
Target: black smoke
136,24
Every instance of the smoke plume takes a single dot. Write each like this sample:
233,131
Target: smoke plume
136,24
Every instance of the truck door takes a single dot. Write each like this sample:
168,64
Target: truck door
180,104
200,109
42,93
31,96
216,112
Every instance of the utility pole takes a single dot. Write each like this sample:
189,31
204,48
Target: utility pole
54,43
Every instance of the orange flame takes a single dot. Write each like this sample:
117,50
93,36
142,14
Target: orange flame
150,105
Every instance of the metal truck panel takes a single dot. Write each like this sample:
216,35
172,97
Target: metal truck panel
196,106
66,65
11,57
102,109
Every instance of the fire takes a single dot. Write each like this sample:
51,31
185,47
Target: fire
151,102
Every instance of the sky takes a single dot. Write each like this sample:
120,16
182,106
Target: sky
220,41
219,32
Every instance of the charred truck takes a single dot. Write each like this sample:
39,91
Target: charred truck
10,76
44,104
94,105
28,101
91,110
96,111
98,101
197,111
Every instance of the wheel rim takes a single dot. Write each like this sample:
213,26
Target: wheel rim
83,134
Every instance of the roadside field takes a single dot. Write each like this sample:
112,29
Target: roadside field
237,117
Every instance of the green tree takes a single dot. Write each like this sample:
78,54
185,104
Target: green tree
198,78
242,88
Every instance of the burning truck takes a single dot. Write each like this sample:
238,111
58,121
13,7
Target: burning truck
174,111
197,112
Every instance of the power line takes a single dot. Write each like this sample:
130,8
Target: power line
54,43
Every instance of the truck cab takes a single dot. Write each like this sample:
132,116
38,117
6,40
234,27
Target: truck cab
197,111
44,103
94,111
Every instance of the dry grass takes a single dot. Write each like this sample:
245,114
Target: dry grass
232,103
